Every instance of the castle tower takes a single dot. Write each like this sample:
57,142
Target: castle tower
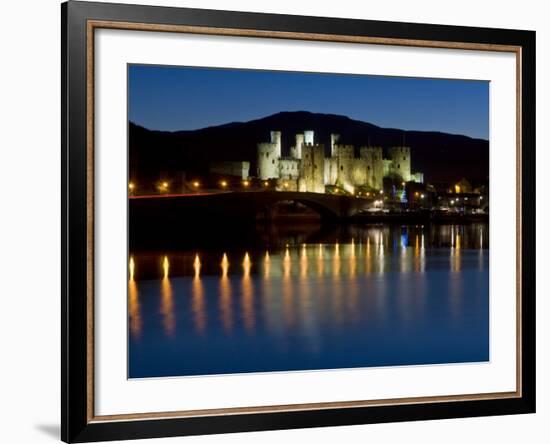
308,137
269,154
276,139
333,141
401,161
345,164
296,150
374,165
313,168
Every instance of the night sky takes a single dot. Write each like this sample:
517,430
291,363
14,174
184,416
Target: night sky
181,98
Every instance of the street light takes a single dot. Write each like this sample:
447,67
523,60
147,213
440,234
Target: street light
266,183
246,183
223,183
196,184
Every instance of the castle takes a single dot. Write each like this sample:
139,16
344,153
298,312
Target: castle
307,169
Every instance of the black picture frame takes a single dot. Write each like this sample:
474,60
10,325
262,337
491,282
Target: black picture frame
76,328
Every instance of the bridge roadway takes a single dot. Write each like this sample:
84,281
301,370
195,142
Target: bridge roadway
243,204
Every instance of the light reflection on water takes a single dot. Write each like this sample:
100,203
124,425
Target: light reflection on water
387,296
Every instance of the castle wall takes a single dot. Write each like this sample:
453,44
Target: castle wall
287,185
388,167
359,172
289,168
331,171
313,168
333,141
343,151
374,165
230,168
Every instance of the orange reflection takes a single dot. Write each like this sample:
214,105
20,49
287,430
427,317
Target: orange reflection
225,265
303,262
286,263
336,262
320,261
267,265
226,304
226,310
287,289
198,305
456,252
246,264
134,308
167,301
197,266
247,296
352,260
336,296
131,268
381,253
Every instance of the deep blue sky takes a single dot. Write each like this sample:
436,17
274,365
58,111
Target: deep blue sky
181,98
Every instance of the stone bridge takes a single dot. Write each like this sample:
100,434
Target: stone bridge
243,205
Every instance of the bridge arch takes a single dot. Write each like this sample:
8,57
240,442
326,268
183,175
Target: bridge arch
319,209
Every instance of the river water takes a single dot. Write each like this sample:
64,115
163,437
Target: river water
301,298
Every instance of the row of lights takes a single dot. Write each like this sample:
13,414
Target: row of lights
164,186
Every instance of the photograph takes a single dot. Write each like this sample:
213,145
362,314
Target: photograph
283,221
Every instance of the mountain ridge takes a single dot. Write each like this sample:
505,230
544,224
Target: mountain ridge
441,156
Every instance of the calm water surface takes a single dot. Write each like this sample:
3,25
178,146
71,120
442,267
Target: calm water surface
301,298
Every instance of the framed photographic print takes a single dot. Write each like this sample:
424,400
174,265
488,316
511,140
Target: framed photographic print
276,221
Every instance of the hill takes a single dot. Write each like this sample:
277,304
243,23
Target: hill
440,156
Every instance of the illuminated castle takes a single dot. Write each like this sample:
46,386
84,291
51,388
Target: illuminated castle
307,168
